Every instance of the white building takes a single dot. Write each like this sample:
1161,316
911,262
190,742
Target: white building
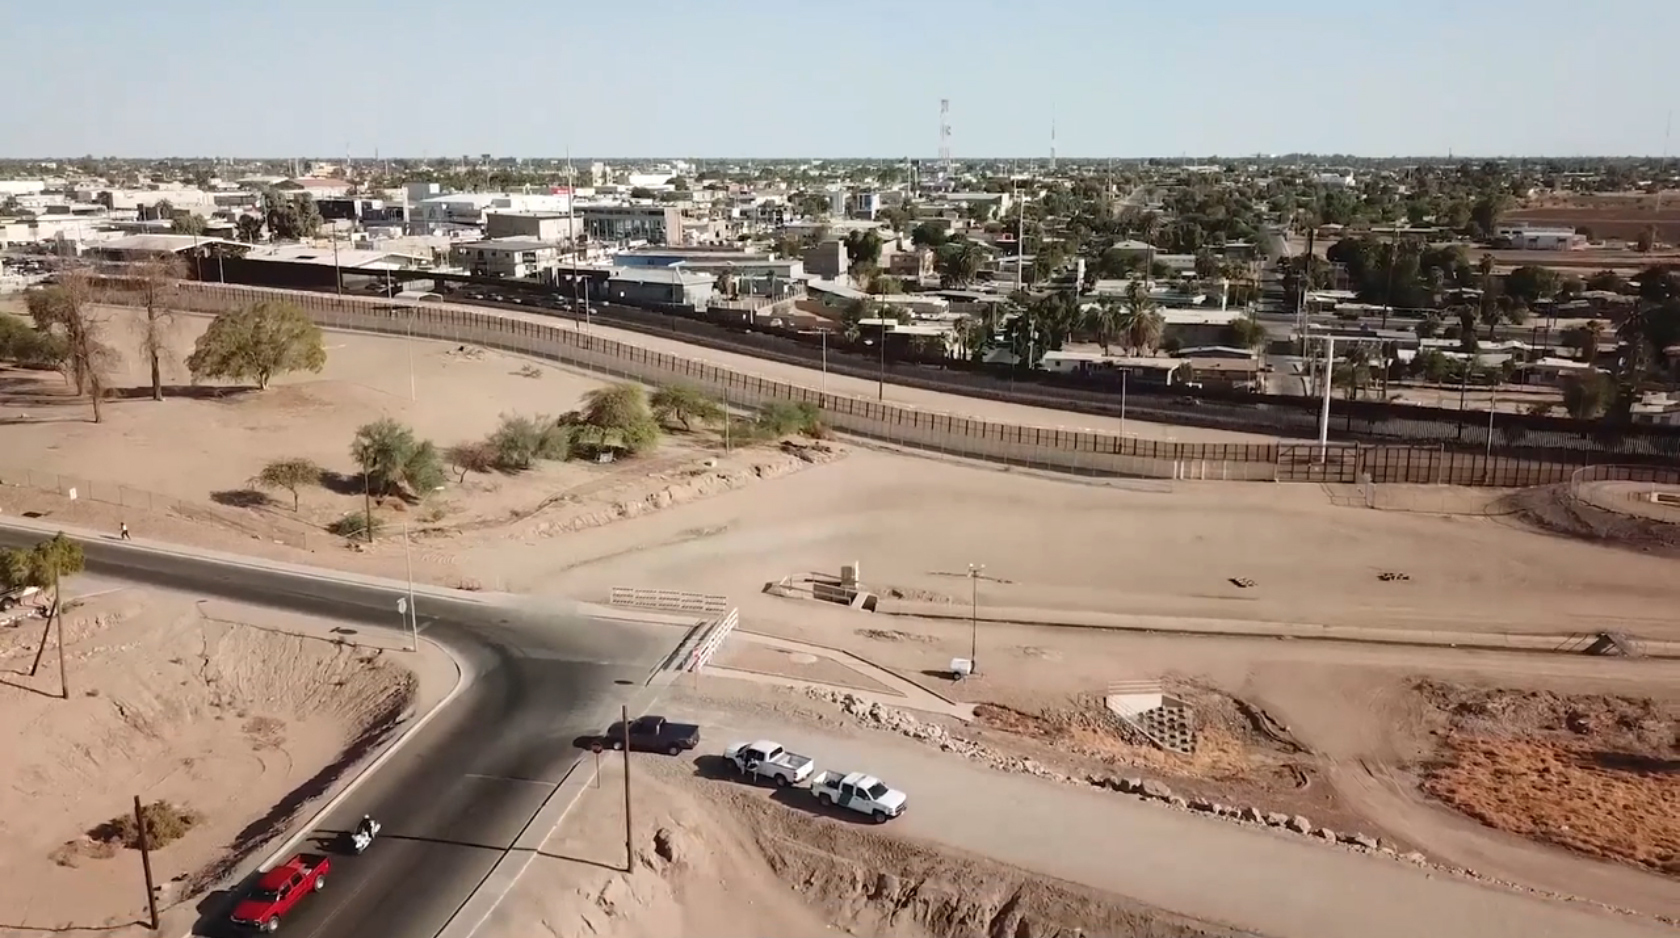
1527,238
470,208
513,258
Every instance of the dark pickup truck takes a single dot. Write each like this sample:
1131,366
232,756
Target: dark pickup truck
653,734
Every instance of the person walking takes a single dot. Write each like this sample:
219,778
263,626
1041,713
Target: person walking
125,532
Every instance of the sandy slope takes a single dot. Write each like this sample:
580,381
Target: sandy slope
175,700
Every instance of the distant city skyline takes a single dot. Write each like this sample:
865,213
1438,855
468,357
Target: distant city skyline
428,79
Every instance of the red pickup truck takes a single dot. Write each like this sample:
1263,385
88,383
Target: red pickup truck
280,889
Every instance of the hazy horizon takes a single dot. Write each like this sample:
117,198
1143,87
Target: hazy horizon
433,80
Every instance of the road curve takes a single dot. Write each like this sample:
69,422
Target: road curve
459,793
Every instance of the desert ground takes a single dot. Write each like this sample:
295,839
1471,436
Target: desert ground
1621,216
1553,773
228,714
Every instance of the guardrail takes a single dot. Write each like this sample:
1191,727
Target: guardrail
714,640
668,600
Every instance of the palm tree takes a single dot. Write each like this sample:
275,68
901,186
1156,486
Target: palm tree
959,261
1141,324
1103,322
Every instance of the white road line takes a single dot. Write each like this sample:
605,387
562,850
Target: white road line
506,778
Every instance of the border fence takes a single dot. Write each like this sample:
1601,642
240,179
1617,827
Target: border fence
1077,452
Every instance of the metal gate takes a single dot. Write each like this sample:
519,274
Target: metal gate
1309,462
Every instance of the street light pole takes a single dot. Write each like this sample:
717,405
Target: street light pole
1324,409
881,380
1123,373
825,361
413,618
974,571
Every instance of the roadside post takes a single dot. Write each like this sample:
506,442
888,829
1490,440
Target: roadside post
595,747
146,862
629,843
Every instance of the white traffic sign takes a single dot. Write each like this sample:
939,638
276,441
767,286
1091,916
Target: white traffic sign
402,604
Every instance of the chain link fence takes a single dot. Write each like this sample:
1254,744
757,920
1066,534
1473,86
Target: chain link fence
129,498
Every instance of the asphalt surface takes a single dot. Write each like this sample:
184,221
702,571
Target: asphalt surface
460,792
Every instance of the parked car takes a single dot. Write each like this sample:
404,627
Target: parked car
11,598
654,734
765,760
280,890
858,792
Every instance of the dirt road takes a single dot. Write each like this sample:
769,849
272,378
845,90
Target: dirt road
1189,864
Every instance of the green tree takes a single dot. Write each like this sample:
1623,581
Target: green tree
28,346
391,456
1141,324
1532,284
1607,281
863,249
43,566
518,442
1246,332
958,262
258,342
1103,321
928,235
1586,396
289,474
684,404
291,217
250,228
620,416
188,223
1485,213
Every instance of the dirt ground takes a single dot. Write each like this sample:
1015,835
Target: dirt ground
241,717
1338,732
1621,216
1592,773
716,860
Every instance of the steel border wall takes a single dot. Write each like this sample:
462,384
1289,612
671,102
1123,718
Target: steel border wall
1071,451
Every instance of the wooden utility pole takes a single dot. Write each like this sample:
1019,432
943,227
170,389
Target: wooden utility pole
146,861
629,842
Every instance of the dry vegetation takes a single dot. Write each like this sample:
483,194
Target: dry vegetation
1599,775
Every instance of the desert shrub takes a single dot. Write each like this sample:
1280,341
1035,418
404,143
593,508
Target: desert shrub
289,474
686,406
780,418
520,441
477,456
165,824
391,456
618,417
357,524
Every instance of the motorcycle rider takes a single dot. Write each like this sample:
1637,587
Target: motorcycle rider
365,829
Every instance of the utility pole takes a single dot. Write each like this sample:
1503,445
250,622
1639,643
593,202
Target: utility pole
64,685
629,842
146,861
974,571
367,506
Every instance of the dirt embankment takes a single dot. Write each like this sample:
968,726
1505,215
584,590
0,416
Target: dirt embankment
1550,508
237,727
1596,774
716,859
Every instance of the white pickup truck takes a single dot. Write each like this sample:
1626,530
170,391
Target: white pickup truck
15,596
767,760
858,792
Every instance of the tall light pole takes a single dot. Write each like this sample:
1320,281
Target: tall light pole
1324,408
824,334
974,571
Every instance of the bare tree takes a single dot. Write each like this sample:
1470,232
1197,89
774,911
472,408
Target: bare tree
66,308
156,280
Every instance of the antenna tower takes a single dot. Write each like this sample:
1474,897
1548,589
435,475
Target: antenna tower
945,135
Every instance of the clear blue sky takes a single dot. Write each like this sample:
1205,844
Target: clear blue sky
710,78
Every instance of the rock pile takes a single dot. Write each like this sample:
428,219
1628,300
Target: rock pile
879,716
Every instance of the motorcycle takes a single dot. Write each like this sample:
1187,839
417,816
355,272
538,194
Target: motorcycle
362,837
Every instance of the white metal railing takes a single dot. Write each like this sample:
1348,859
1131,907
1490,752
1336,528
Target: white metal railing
714,640
669,600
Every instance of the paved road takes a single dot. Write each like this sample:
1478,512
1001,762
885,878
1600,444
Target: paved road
459,793
1277,884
